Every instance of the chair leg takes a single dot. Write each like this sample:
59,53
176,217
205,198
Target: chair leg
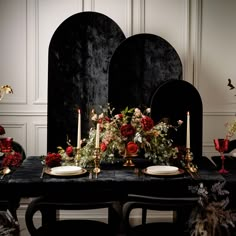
13,205
115,216
49,215
144,216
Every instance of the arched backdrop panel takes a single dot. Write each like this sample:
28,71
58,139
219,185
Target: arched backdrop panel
79,55
139,65
172,100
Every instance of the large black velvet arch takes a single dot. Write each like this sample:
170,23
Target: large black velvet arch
138,66
78,59
172,100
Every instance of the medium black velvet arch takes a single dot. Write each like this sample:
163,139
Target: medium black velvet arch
172,100
138,66
78,59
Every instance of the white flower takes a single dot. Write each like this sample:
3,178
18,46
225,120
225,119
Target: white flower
94,117
101,116
179,122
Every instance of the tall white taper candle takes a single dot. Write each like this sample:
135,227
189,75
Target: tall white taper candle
188,131
97,136
79,130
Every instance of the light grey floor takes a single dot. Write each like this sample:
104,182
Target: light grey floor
23,229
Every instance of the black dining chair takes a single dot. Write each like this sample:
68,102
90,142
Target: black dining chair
180,206
17,147
8,217
56,226
4,200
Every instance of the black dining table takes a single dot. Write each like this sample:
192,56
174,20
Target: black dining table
113,183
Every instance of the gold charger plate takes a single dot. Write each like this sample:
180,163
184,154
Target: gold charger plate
81,172
178,172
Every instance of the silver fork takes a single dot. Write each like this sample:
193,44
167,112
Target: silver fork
43,170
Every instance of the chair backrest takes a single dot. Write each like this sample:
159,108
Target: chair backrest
18,148
182,206
48,209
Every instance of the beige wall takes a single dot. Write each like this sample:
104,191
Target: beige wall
202,31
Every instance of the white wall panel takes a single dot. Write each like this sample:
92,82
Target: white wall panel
218,55
40,147
168,19
49,15
13,48
17,131
119,11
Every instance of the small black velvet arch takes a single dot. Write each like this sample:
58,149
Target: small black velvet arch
172,100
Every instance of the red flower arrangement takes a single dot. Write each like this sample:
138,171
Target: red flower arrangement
12,159
53,159
129,133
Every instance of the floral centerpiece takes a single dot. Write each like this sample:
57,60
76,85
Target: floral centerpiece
128,133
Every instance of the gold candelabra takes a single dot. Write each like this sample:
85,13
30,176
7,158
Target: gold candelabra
77,155
97,158
190,167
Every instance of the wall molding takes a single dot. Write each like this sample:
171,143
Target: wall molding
24,113
138,16
37,139
197,42
187,64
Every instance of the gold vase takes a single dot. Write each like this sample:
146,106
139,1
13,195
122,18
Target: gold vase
129,158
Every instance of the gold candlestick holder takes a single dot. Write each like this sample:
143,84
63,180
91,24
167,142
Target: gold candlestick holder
97,158
188,162
77,155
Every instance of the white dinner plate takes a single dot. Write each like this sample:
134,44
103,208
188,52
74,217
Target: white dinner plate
162,169
66,170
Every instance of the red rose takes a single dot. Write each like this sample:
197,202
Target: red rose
119,116
132,148
13,159
103,147
69,151
2,130
127,130
53,159
107,119
147,123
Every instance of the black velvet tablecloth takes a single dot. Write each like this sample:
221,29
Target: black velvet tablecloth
112,183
